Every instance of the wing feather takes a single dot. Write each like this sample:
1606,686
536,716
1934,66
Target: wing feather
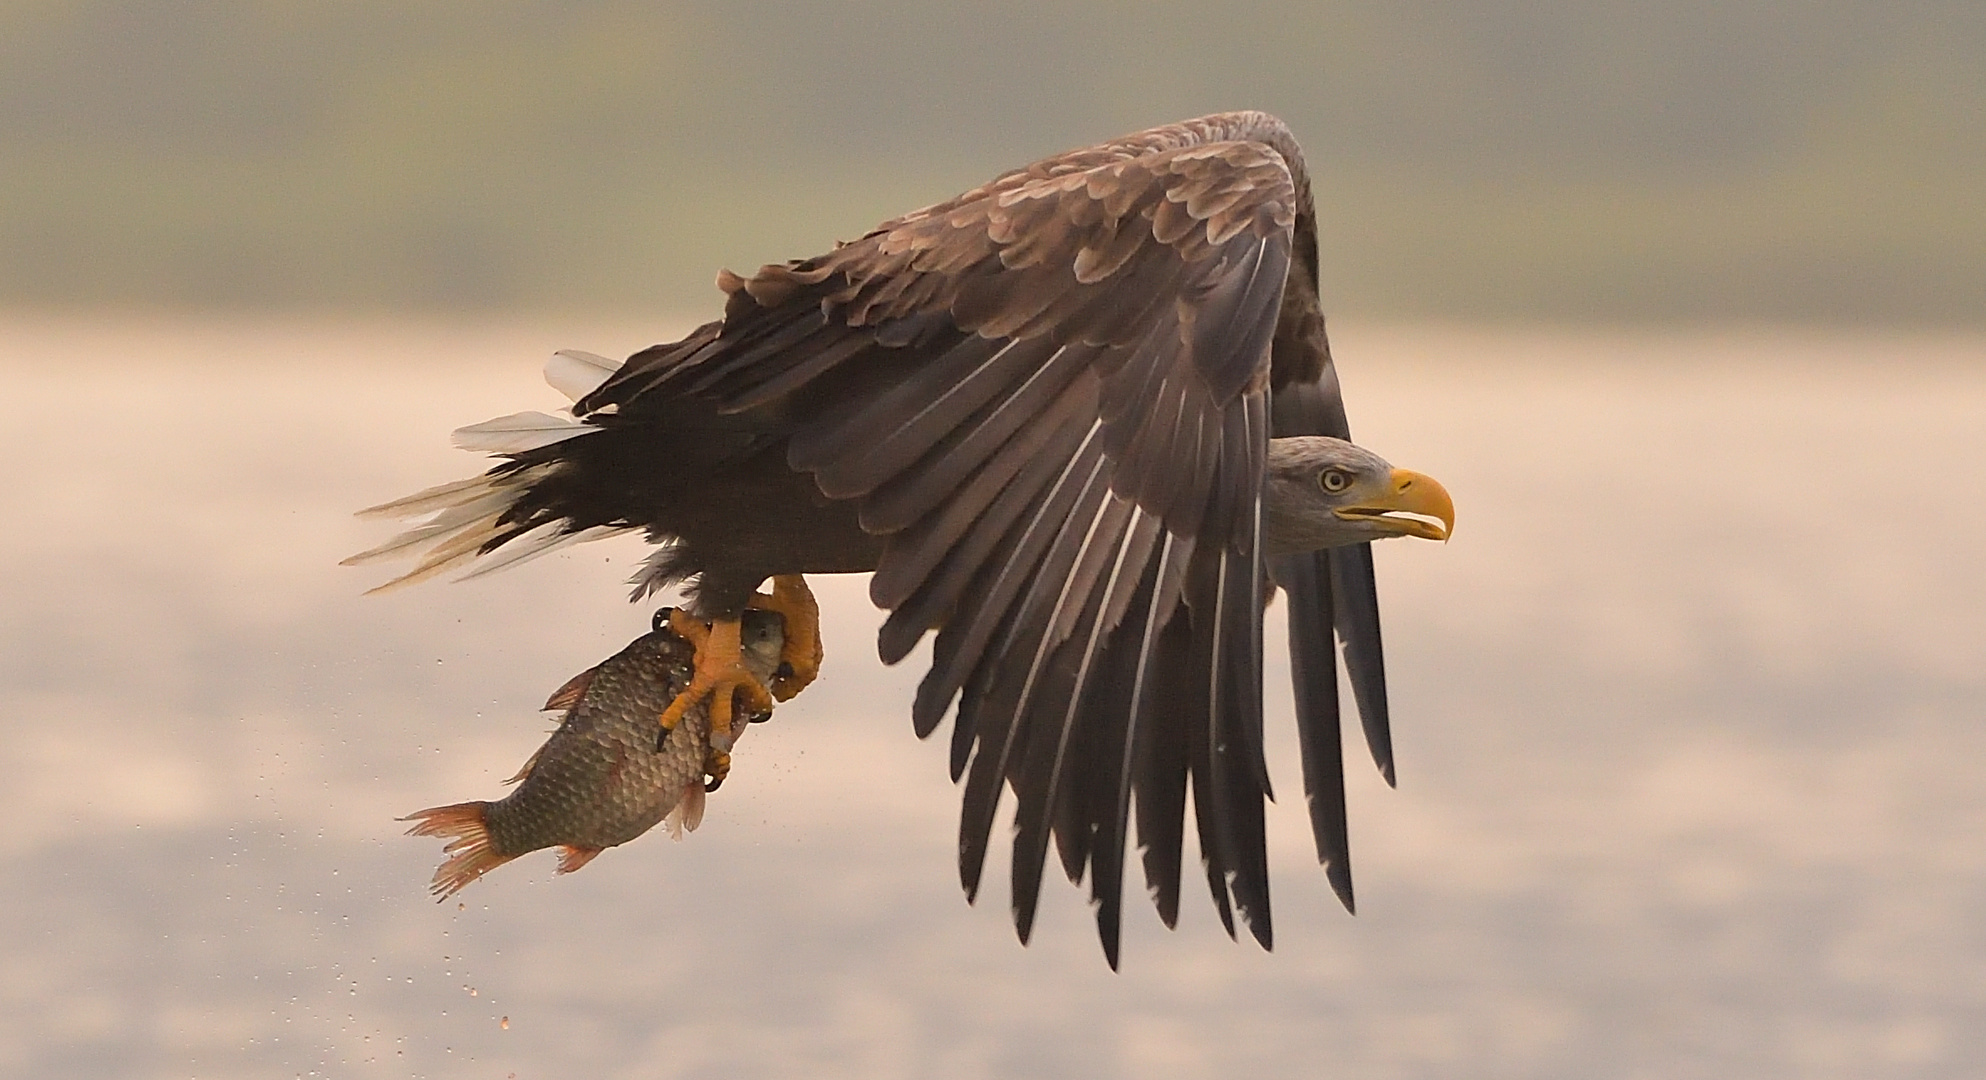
1049,395
946,473
1041,784
943,551
1355,613
1331,591
1009,686
999,582
1159,759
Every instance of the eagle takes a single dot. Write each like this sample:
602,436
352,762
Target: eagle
1081,421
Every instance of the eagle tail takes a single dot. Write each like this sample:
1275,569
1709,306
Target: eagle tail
467,519
476,517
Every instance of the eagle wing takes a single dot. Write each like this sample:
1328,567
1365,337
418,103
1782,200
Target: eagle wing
1051,396
1331,590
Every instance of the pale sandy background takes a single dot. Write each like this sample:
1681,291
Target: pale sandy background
1688,716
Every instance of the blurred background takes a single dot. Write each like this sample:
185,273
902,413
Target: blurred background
1683,302
1765,159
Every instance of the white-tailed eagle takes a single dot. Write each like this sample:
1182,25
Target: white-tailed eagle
1076,420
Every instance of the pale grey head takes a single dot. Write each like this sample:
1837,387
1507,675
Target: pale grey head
1321,492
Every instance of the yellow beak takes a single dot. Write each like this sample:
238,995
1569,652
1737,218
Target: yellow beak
1407,492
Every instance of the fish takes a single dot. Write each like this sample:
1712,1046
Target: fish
610,772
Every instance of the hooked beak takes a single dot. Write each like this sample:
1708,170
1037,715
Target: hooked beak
1406,492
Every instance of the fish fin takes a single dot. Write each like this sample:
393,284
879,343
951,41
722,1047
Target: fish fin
529,764
687,814
469,850
567,696
572,857
692,806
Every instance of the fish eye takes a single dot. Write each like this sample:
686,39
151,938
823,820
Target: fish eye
1334,481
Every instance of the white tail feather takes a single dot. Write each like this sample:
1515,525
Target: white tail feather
427,500
464,516
455,536
443,524
432,566
576,373
518,433
537,542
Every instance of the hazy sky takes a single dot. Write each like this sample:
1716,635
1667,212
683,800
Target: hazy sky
1776,159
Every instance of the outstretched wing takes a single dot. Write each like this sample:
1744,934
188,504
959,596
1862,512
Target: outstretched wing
1051,395
1331,589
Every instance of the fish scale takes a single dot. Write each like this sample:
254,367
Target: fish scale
601,780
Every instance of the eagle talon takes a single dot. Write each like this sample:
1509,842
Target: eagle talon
720,675
801,656
718,766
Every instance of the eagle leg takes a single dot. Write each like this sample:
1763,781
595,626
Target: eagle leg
801,655
719,674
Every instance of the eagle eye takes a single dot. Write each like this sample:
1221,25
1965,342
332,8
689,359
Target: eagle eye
1334,481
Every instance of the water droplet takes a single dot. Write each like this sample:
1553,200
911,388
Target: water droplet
505,1024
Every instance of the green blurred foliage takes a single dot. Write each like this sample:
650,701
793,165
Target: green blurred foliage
1774,159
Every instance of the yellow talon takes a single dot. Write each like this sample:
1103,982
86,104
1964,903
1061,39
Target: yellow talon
720,675
718,766
801,655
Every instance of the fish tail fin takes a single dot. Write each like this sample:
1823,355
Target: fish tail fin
573,856
470,854
687,814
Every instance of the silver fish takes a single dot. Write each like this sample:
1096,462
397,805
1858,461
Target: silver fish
609,773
